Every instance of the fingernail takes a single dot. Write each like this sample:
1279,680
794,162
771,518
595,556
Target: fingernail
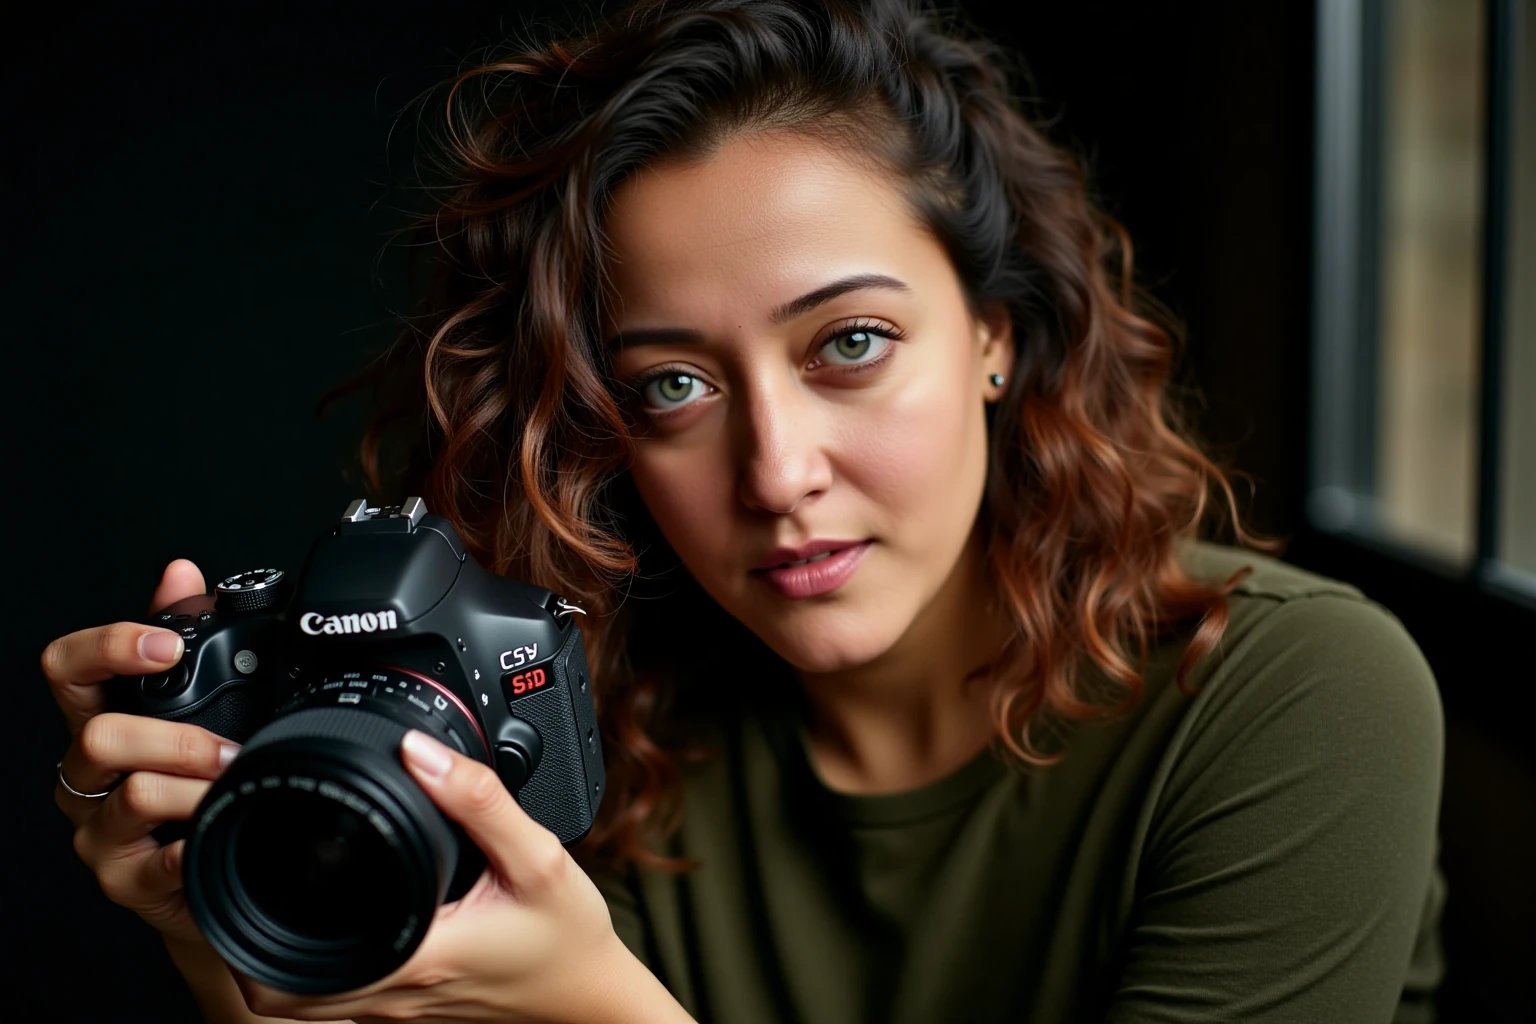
227,752
162,646
429,757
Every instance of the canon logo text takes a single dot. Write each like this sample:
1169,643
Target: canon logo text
315,624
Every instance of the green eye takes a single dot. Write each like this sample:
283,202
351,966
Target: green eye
669,389
855,346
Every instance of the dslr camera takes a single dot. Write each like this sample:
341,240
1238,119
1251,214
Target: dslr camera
315,863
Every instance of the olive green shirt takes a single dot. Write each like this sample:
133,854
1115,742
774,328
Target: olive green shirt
1265,850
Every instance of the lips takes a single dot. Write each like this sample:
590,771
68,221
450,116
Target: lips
818,573
808,553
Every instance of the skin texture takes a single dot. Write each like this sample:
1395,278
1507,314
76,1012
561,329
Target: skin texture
782,438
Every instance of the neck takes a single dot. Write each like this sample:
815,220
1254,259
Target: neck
910,717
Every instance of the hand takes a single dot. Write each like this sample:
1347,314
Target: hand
168,765
531,941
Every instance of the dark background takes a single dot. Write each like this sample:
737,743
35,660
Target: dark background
196,217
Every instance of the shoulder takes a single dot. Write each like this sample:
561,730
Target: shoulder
1287,842
1268,577
1292,630
1311,675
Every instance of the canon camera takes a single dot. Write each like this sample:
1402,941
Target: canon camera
314,864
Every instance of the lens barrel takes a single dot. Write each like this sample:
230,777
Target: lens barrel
315,863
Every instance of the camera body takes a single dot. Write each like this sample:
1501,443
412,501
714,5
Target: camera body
314,862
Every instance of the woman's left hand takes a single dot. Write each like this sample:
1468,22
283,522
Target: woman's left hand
531,941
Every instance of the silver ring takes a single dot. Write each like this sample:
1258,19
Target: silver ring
89,796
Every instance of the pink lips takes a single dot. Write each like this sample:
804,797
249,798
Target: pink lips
815,578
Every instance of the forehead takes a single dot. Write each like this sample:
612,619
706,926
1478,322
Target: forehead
761,218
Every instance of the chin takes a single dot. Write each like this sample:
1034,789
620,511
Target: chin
835,646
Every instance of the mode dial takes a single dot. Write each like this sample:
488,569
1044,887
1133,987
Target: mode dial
251,591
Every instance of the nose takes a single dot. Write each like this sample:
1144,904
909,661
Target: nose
782,441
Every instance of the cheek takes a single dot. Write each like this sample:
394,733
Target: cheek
909,452
688,493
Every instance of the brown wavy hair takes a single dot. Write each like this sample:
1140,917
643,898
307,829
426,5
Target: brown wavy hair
519,434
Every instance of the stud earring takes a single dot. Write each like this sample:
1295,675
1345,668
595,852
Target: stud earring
996,379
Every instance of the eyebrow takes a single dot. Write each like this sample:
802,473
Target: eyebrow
788,311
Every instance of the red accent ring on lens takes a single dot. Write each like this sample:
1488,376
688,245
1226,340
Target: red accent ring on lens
440,688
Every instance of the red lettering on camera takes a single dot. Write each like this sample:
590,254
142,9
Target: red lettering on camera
525,682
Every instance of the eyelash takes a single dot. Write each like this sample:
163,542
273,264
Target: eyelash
876,327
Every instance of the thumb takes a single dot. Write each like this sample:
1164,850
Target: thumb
181,579
519,848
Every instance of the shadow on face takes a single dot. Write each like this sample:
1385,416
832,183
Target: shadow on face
804,367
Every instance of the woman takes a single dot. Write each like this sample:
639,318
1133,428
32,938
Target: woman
776,335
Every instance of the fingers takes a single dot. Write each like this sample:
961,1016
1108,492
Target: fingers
111,744
145,879
132,811
159,873
521,850
181,579
132,869
77,664
155,884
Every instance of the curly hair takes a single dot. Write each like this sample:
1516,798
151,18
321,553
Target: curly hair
520,434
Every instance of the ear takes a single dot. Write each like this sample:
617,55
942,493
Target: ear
994,329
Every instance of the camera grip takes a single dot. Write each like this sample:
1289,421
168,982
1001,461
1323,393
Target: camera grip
565,788
234,711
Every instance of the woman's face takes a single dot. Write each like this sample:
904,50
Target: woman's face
808,370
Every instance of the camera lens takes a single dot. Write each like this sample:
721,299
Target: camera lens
315,862
316,868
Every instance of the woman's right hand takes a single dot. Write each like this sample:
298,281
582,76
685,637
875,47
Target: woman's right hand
157,771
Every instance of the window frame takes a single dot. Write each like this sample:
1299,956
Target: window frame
1348,112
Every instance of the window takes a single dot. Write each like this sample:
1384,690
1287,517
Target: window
1424,294
1517,511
